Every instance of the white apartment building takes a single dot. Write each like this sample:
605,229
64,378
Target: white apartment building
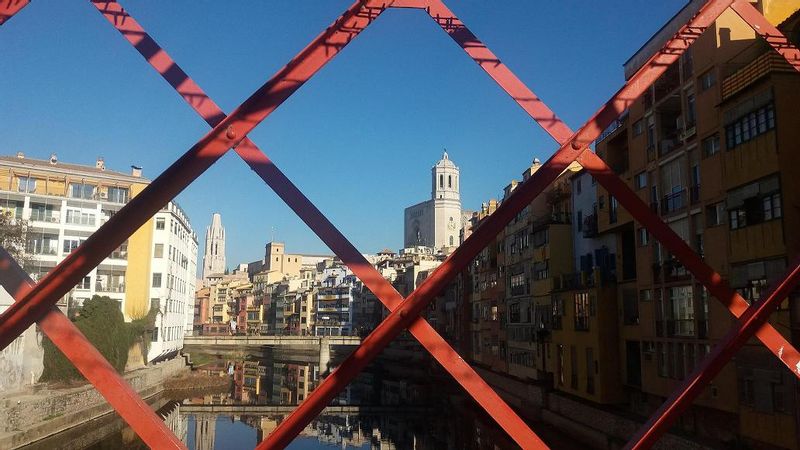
173,279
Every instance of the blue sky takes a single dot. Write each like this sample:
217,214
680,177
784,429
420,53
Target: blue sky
359,138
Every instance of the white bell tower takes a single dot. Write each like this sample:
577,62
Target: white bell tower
444,180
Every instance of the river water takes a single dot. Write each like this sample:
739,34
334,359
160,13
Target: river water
402,402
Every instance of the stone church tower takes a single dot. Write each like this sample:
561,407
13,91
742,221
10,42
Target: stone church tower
214,258
436,222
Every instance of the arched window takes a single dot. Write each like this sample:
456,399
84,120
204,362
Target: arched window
449,181
451,241
441,181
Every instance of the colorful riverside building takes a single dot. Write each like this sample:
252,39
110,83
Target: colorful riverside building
65,203
711,148
586,315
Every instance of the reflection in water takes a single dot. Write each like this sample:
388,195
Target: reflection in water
394,404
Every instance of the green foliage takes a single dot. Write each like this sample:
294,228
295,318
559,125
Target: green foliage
13,239
103,324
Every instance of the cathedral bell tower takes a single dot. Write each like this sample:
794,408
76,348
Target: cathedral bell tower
444,180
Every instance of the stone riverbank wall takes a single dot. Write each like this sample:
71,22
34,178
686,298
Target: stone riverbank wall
30,416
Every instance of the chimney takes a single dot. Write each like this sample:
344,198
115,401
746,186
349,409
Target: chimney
136,171
20,155
100,163
53,159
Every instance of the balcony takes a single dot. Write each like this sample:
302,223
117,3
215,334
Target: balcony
550,219
674,202
674,271
761,66
668,144
667,83
113,288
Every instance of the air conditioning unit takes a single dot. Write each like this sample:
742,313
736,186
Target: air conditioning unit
679,123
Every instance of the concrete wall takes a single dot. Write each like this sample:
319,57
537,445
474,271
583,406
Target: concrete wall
20,362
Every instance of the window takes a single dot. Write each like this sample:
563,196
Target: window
518,284
754,203
541,237
578,185
580,222
558,312
644,237
707,80
41,212
71,244
158,251
737,218
590,369
77,217
514,315
646,295
27,184
750,126
84,284
449,181
630,307
680,311
156,280
771,206
638,127
691,114
82,190
710,145
582,311
118,195
441,181
640,181
651,132
612,210
751,279
540,270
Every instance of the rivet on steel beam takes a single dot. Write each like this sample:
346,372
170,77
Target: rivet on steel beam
576,145
230,132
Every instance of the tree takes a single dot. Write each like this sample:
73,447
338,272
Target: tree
13,238
103,324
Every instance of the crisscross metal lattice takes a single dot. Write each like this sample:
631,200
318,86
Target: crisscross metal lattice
35,302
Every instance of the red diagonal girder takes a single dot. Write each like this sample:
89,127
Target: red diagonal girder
275,178
577,142
10,7
228,133
97,370
522,196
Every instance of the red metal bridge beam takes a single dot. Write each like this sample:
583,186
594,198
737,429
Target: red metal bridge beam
523,195
228,133
752,320
766,30
97,370
277,180
10,7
